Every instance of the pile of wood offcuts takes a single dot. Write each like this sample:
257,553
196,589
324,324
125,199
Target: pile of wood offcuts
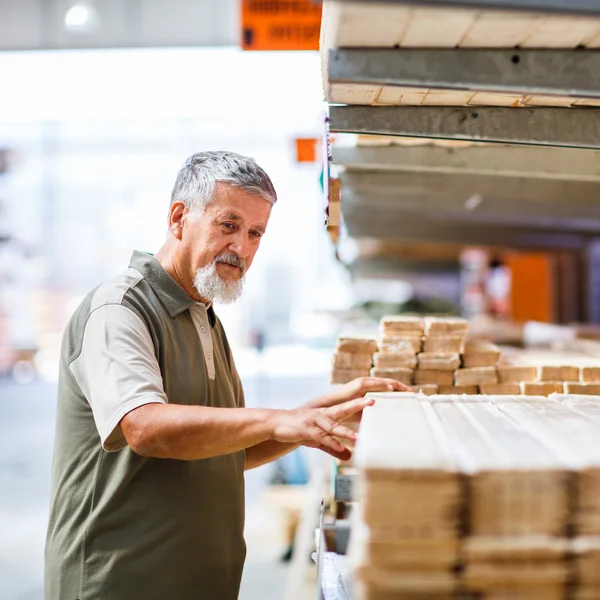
483,497
435,356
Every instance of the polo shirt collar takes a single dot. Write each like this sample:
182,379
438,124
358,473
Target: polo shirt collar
174,298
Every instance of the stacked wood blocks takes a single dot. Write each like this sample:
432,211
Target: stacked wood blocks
404,546
433,355
353,358
399,343
487,497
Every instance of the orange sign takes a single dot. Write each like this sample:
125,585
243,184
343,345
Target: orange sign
306,150
281,24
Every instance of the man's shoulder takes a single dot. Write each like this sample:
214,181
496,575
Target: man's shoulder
111,292
114,290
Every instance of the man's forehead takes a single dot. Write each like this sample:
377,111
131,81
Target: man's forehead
250,207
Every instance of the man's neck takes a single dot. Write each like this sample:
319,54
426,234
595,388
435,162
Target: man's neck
165,256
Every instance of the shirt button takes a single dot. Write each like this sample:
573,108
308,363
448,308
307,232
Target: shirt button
203,329
209,356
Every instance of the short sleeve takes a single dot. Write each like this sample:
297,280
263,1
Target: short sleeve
117,370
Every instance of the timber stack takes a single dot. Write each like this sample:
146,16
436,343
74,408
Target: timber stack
474,496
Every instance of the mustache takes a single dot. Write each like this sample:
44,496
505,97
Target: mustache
231,259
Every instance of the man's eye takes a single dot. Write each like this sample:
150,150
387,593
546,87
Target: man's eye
228,225
255,234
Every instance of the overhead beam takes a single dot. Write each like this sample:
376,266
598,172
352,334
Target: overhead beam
386,266
569,164
568,127
453,190
365,221
573,7
554,72
486,214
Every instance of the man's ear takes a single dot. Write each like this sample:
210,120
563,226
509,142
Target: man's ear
177,215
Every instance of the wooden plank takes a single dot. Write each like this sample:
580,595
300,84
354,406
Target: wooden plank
435,361
558,101
395,360
573,436
475,376
427,30
356,24
398,374
496,99
447,98
366,26
338,93
500,30
416,444
410,491
557,32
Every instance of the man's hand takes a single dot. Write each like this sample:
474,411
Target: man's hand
316,427
357,388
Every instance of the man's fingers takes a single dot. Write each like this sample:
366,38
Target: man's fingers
343,411
345,454
334,429
384,384
325,440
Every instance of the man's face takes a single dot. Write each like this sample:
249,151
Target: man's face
220,245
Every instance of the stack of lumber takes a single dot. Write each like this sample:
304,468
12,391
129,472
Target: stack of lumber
399,343
400,545
506,488
353,358
433,355
443,343
543,380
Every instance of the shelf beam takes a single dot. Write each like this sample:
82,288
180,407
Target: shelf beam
525,72
566,127
557,164
569,7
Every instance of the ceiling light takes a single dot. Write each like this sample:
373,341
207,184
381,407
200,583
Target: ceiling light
82,17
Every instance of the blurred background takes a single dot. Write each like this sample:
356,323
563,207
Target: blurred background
100,104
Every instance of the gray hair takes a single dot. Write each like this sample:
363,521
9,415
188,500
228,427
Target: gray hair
196,182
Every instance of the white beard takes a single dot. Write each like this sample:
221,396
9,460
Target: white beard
210,286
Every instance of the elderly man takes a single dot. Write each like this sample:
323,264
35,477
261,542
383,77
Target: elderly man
152,436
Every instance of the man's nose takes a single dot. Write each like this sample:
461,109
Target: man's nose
240,245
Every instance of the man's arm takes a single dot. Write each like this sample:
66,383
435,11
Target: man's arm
269,451
197,432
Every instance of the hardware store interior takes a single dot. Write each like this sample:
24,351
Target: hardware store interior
437,169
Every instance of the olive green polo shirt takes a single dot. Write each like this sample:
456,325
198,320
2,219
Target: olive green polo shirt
123,526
